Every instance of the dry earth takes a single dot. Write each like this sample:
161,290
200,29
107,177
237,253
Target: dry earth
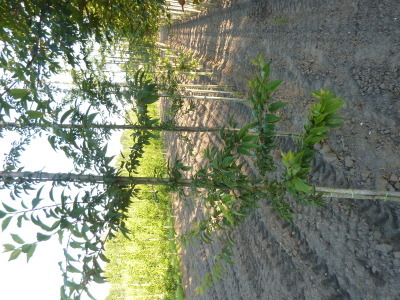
349,249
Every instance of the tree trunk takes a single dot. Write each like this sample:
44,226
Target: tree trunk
111,126
84,178
137,127
70,177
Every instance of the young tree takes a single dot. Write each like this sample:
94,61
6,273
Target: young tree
42,38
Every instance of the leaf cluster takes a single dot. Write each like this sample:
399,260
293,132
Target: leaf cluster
229,196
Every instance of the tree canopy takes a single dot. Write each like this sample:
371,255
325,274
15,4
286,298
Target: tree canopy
42,39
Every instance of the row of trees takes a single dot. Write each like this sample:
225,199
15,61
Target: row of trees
43,38
40,39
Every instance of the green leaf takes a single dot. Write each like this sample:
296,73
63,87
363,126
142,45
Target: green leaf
333,119
17,239
15,254
55,224
77,211
2,214
8,247
66,115
270,118
150,99
9,208
19,221
98,279
26,248
243,151
273,85
316,95
276,106
312,140
228,160
68,256
226,258
34,114
76,245
72,269
36,201
245,129
90,118
249,146
42,237
39,223
318,130
104,258
253,61
5,223
30,252
300,185
19,93
333,107
226,214
249,138
228,182
51,194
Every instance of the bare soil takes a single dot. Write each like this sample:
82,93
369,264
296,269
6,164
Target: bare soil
349,249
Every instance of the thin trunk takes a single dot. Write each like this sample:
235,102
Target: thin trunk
135,127
209,98
69,177
210,91
83,178
205,86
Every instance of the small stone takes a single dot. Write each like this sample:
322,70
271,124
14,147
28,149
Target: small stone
396,254
374,269
393,178
348,162
380,183
325,149
377,235
317,146
365,175
331,157
397,185
384,248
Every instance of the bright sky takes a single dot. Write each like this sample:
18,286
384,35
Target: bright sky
40,279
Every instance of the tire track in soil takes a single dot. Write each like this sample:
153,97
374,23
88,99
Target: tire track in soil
349,249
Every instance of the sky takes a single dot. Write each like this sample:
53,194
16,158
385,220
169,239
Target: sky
40,279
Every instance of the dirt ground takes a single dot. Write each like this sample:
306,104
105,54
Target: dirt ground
349,249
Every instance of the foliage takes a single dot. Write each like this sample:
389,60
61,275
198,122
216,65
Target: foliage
42,38
170,78
230,196
143,260
37,35
82,223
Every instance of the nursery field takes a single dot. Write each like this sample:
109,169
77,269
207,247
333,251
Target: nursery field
260,151
349,248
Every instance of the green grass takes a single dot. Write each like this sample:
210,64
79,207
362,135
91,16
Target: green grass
141,267
278,20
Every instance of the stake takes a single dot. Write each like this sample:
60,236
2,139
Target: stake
209,98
